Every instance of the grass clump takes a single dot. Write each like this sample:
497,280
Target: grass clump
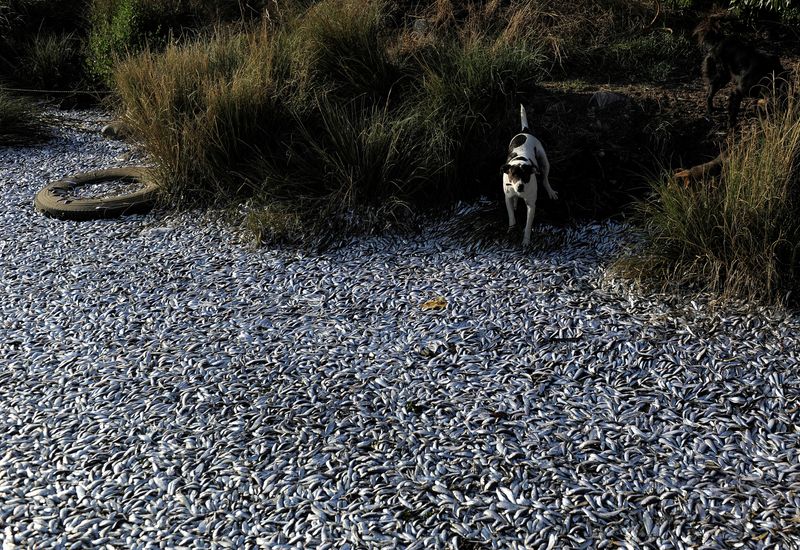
468,84
20,122
350,167
51,61
41,43
363,155
737,236
119,28
655,56
206,111
345,45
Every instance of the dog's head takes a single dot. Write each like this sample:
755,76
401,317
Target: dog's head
710,30
519,174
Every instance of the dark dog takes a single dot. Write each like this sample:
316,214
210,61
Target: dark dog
754,73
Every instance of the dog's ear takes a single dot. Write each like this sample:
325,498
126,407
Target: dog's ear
526,170
504,169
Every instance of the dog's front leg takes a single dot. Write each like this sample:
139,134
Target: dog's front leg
510,204
526,239
716,78
734,102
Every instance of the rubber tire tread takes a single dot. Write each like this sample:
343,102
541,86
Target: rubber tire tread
137,202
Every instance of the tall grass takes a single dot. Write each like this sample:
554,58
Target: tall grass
577,37
323,115
350,167
465,86
52,61
655,56
20,121
346,47
205,111
738,236
365,155
41,43
479,76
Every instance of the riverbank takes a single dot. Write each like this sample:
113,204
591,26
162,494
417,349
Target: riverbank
162,381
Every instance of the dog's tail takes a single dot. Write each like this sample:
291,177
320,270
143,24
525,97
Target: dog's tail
523,117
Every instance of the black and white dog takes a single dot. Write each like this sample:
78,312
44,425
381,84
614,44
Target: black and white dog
526,163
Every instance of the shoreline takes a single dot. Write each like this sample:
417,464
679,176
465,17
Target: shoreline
163,383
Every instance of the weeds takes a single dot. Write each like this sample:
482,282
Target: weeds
20,122
351,167
347,49
41,43
51,61
122,27
655,56
323,112
339,110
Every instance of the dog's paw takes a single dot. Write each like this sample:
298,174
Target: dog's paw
526,243
511,228
553,195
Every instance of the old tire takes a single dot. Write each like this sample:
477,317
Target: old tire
58,198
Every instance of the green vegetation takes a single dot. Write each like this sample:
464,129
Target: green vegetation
206,111
80,40
624,37
739,235
118,28
654,56
41,43
787,9
326,112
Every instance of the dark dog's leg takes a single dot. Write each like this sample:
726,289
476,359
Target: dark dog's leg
734,102
715,78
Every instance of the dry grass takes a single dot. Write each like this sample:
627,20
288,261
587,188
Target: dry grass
204,110
321,112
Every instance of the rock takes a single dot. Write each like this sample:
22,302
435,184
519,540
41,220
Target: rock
601,100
